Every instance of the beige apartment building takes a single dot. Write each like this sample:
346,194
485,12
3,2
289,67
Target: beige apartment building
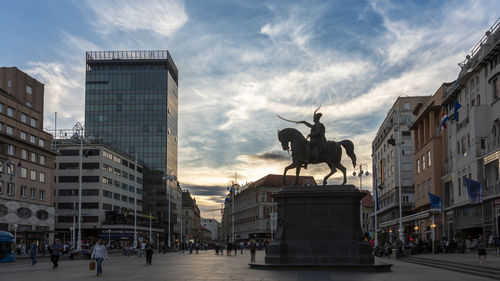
428,158
26,159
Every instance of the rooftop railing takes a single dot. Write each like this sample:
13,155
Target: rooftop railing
117,55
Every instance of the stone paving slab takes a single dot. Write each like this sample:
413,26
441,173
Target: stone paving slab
207,266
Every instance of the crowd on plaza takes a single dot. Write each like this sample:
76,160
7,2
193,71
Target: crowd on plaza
445,245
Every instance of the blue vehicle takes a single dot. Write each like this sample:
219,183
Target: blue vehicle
7,247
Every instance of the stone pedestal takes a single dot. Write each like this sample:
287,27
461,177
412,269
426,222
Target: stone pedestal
320,227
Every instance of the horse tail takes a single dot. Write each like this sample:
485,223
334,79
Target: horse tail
349,148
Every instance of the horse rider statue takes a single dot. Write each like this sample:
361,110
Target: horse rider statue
317,138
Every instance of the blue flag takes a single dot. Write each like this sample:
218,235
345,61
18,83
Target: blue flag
455,110
435,201
475,190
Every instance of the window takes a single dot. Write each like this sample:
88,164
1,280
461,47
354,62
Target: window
407,167
424,191
68,179
67,192
116,196
69,152
10,130
1,187
11,189
32,193
406,134
24,191
33,157
131,188
24,173
42,160
24,118
406,151
32,139
90,165
42,177
33,175
10,112
124,198
107,155
24,154
459,187
124,186
108,194
418,191
23,135
418,166
407,105
41,195
11,149
423,162
41,142
10,169
107,180
29,90
428,158
90,192
9,83
90,205
33,122
117,159
1,107
28,104
90,178
106,206
429,185
131,200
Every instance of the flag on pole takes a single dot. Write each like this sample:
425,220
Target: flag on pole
435,201
443,121
475,191
455,110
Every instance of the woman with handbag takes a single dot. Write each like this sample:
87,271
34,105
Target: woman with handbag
99,254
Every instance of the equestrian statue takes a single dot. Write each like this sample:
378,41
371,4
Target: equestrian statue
315,151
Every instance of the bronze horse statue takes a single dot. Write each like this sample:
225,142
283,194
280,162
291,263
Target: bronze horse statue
331,154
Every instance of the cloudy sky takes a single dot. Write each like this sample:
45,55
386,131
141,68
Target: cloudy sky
243,62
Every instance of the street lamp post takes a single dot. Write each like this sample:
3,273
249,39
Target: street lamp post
15,233
79,129
392,142
72,230
361,174
170,177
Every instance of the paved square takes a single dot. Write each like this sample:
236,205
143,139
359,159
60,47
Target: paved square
207,266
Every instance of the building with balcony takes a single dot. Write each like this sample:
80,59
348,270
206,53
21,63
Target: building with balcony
26,159
253,205
395,135
473,141
111,184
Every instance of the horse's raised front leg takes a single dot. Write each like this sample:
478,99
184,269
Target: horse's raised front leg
291,166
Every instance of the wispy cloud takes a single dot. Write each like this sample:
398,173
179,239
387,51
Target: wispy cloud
163,17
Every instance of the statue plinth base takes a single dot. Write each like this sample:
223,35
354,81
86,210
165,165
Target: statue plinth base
320,227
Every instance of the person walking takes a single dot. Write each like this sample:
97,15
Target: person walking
33,250
252,251
57,248
99,254
235,246
149,253
481,249
241,247
143,247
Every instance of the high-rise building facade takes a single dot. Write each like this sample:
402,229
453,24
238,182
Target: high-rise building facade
131,104
394,136
26,160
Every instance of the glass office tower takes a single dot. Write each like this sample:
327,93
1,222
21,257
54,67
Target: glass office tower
131,104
